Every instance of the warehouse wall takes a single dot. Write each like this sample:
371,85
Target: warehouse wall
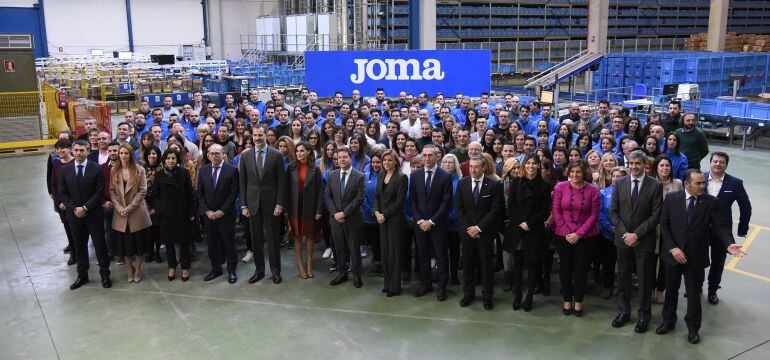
75,27
229,19
161,26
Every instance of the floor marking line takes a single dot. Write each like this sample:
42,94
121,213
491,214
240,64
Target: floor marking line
743,272
749,349
749,239
755,225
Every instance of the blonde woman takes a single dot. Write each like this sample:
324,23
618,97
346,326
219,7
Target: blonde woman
609,162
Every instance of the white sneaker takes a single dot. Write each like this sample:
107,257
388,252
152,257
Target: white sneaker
364,251
327,253
249,257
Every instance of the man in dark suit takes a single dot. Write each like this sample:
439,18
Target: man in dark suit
478,203
344,195
727,189
687,219
635,211
431,199
262,185
217,190
81,186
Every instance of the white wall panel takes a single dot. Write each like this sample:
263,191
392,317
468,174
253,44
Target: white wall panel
74,27
161,26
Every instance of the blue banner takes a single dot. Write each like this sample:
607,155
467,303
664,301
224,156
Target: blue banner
413,71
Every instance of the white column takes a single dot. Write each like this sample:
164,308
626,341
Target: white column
598,14
427,24
715,40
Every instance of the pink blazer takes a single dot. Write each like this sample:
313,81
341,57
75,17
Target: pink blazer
575,210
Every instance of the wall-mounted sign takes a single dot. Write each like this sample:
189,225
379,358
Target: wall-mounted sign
10,65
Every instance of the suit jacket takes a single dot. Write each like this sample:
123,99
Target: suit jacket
693,239
484,214
641,219
350,202
130,197
90,194
528,202
732,190
435,205
312,200
222,197
391,201
262,191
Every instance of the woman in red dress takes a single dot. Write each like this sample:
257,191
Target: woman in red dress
305,206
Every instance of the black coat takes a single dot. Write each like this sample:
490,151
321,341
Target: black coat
391,202
90,194
530,203
485,214
174,201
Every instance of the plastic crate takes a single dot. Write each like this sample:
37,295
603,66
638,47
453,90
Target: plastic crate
734,108
758,111
711,106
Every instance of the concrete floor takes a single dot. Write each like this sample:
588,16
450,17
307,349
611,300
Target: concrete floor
157,319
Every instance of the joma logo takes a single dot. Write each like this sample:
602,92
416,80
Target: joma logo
396,69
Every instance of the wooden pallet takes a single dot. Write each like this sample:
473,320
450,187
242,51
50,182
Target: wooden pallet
26,148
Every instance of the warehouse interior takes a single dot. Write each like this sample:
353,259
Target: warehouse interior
69,61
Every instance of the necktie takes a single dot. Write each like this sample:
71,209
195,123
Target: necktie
476,187
342,183
80,174
427,182
691,210
214,177
634,193
259,162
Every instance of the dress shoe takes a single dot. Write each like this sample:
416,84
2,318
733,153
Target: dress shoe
148,258
664,328
578,313
357,282
393,293
422,290
256,277
277,279
158,259
80,281
172,277
606,294
441,294
185,278
212,275
545,288
384,291
67,249
507,281
487,304
642,325
713,298
106,282
621,320
338,280
71,261
693,337
516,301
527,305
232,278
466,300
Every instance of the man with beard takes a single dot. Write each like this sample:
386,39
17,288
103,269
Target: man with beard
694,144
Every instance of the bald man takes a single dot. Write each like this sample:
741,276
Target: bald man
474,150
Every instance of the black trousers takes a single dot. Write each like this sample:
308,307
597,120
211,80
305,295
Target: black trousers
436,240
645,272
347,240
391,252
246,232
264,230
372,237
81,230
660,278
154,236
406,251
693,278
533,272
573,267
326,232
220,235
607,254
718,257
453,244
478,250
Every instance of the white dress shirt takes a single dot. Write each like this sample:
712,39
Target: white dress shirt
714,185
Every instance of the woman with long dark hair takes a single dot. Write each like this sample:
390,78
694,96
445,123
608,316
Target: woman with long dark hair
174,202
650,147
389,209
371,227
678,160
528,199
152,165
662,170
239,136
359,146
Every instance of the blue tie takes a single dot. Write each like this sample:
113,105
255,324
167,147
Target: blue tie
342,183
476,187
691,210
80,174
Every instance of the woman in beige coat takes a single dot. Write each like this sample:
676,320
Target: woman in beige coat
131,218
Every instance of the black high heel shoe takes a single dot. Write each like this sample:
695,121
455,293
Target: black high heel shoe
579,313
517,301
566,311
185,278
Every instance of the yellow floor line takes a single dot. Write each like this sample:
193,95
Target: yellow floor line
759,277
734,261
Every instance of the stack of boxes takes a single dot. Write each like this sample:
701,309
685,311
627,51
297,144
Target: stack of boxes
733,42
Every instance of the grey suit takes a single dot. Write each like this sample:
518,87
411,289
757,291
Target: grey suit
346,235
261,193
642,220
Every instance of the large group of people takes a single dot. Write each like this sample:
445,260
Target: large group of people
430,189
